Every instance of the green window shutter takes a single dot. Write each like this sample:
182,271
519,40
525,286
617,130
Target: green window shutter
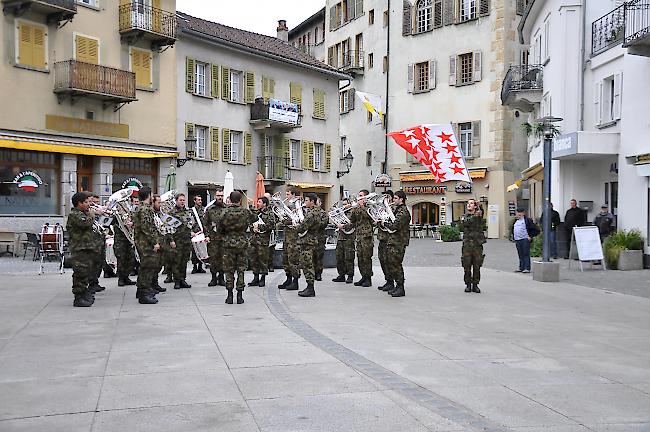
305,154
328,157
225,83
190,128
286,149
319,104
215,80
268,88
214,143
250,87
295,97
311,155
189,75
248,148
226,145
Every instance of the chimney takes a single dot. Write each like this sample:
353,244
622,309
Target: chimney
283,31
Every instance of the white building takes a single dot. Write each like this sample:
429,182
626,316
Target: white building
309,35
233,87
591,66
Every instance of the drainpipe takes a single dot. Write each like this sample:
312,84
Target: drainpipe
385,170
583,64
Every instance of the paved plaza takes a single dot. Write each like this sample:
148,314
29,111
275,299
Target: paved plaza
522,356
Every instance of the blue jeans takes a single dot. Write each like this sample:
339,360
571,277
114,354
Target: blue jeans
553,244
523,250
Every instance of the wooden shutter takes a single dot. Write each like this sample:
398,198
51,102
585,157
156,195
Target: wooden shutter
310,150
332,17
476,139
410,77
190,128
437,14
448,11
477,69
268,88
249,96
214,143
286,149
214,79
452,70
319,104
432,74
225,84
304,147
484,8
598,89
328,157
156,16
225,154
31,46
189,74
248,148
87,49
295,95
330,56
141,65
618,90
38,47
407,21
351,97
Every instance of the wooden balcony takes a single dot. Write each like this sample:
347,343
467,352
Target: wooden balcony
637,27
275,115
55,11
522,87
353,62
138,21
76,79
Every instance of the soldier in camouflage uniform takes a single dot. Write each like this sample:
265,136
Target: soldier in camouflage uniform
364,228
274,223
382,250
398,239
233,225
345,252
319,252
472,252
291,253
308,231
181,243
197,264
211,221
99,257
147,242
80,227
259,242
155,204
124,254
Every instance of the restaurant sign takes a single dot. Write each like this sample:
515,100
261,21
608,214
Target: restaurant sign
383,180
431,190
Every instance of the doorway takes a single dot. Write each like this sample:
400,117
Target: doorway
84,173
426,213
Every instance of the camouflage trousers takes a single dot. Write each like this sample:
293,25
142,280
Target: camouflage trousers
365,246
291,258
307,262
382,252
319,255
394,260
82,270
345,257
215,250
125,259
99,258
180,257
150,264
472,259
234,260
259,257
271,255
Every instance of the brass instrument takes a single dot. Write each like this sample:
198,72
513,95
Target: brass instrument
166,223
119,204
338,214
378,208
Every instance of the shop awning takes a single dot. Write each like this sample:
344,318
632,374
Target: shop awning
474,173
53,146
535,172
206,183
311,185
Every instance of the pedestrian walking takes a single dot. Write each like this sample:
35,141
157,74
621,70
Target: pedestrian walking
524,231
472,256
605,222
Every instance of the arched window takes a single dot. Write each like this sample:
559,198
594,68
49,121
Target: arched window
426,213
423,16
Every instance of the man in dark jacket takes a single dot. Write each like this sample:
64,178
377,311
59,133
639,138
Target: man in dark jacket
523,232
605,222
555,221
574,217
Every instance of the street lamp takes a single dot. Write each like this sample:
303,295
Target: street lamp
347,160
190,146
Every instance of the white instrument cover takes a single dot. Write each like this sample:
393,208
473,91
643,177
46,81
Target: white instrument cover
200,245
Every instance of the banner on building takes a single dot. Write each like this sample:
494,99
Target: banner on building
284,112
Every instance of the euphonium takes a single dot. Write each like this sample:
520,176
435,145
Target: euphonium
119,204
338,217
379,210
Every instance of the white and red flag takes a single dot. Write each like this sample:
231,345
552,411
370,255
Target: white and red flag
436,147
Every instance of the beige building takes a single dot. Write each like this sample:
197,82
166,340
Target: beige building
89,102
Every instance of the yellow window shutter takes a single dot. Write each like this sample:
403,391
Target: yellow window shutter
87,49
272,87
328,157
38,52
214,74
25,44
141,65
226,145
265,88
311,155
189,75
214,143
190,129
248,148
295,97
319,104
225,87
286,149
249,97
305,154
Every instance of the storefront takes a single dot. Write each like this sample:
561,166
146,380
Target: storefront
322,191
136,173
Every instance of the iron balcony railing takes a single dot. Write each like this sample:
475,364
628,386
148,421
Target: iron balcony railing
136,16
522,77
637,21
352,60
274,167
72,76
608,30
261,111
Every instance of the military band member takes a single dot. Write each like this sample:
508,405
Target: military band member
80,228
124,254
234,223
472,252
396,243
364,228
345,252
211,221
100,251
155,204
307,241
273,233
147,242
181,243
382,250
291,254
259,243
319,252
135,203
197,264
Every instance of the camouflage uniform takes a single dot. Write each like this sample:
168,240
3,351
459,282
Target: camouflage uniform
345,251
99,255
291,253
307,242
319,252
82,248
259,242
123,252
200,211
365,242
472,252
396,243
183,239
382,249
146,237
211,221
233,225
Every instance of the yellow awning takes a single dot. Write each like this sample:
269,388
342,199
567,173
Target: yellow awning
72,148
312,185
474,173
536,172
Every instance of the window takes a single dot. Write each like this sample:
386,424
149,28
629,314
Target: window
86,49
423,16
466,69
319,104
437,13
607,100
294,154
88,2
545,38
344,146
346,101
141,62
32,45
268,88
537,48
318,156
465,138
200,78
369,158
201,135
371,60
236,86
371,17
29,182
236,144
385,18
145,170
422,77
467,10
545,107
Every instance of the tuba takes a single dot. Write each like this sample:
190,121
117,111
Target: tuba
120,207
338,217
379,210
165,223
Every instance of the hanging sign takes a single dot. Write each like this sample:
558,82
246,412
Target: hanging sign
383,180
463,187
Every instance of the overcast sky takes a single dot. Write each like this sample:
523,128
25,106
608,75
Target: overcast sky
260,16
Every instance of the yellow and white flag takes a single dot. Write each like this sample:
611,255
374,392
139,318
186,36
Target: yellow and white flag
373,104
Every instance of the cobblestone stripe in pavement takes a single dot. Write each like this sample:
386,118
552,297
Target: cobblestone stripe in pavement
436,403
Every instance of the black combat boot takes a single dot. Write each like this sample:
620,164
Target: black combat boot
339,278
240,297
80,301
286,283
177,284
262,281
271,269
255,281
89,295
308,292
399,290
156,286
184,284
147,298
367,282
293,286
213,281
360,281
194,270
128,281
220,280
388,286
199,268
229,298
318,276
98,288
169,278
475,288
350,279
468,288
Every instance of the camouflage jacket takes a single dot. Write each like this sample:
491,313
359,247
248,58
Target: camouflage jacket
309,228
120,238
401,227
472,227
363,222
233,225
264,235
382,234
211,221
183,233
144,229
80,231
200,210
324,220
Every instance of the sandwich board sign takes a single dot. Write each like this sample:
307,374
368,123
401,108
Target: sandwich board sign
585,245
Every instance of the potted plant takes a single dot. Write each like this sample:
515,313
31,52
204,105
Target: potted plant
624,250
449,233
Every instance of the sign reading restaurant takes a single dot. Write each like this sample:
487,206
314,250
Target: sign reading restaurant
430,190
